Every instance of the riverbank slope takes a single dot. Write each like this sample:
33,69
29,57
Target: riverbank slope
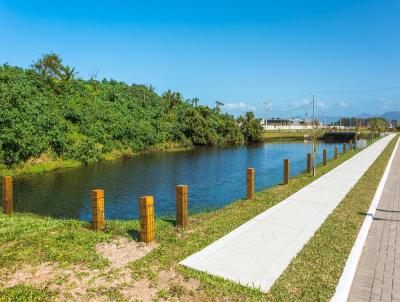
48,163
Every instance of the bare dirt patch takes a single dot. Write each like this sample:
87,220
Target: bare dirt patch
170,278
171,283
121,251
78,283
30,275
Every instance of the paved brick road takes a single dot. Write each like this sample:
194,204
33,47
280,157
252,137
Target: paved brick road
378,273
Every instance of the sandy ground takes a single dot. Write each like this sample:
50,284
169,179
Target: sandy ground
78,283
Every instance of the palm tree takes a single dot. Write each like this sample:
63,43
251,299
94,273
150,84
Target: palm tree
218,106
50,65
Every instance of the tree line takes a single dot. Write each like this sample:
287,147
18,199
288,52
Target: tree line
47,109
376,124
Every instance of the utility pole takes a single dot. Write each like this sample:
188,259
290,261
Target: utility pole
305,115
313,108
266,115
314,137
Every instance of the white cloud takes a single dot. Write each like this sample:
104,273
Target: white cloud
343,104
385,104
239,106
300,103
322,105
235,105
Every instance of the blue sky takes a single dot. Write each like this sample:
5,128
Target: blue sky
237,52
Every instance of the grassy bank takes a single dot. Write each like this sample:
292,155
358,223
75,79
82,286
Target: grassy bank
284,135
271,136
47,163
29,240
38,166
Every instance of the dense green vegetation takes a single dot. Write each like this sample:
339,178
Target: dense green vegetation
46,109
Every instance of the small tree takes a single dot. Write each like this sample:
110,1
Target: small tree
218,106
251,127
50,65
377,124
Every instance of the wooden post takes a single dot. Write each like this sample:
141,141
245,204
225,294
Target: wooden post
344,148
182,206
250,183
335,153
308,162
286,171
7,195
324,157
147,229
97,209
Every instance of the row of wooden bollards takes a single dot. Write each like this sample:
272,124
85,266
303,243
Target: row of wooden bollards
146,212
251,172
286,169
146,203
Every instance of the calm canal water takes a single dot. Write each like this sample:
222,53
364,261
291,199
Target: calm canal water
216,177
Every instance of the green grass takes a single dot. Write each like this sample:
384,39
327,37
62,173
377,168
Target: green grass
30,239
46,162
38,168
312,275
21,293
284,135
164,147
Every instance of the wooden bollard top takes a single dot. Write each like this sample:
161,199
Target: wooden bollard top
146,201
7,179
182,189
97,193
286,173
250,183
181,206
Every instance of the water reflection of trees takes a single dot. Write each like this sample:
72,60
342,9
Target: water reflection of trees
216,176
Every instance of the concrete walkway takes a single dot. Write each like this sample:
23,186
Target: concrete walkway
378,273
256,253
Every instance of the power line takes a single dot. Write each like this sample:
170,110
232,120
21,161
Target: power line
266,114
324,92
292,109
336,92
359,91
291,99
